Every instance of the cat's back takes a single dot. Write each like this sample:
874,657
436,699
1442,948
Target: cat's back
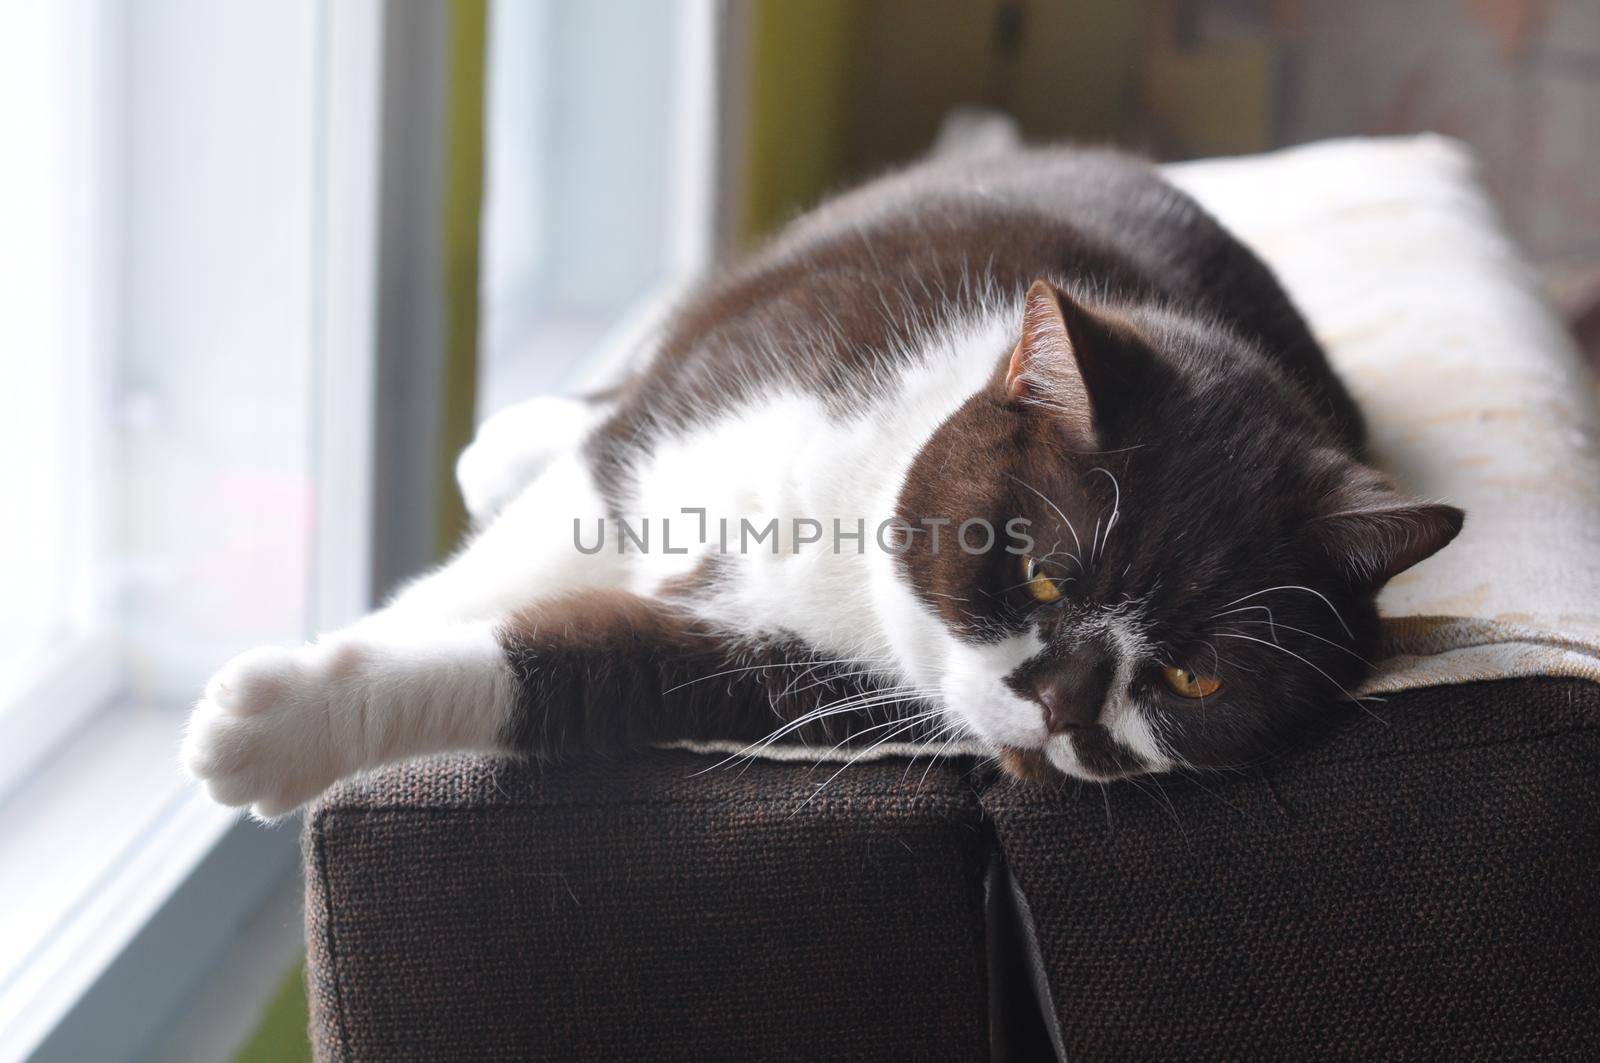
1105,222
1096,192
838,302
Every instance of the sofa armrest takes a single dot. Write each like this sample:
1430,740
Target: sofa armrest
465,908
1427,885
1418,885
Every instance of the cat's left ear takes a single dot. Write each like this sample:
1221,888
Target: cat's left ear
1054,364
1383,536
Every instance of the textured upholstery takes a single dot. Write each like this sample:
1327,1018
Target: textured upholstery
467,909
1423,884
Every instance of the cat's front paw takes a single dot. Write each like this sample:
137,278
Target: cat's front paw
262,734
514,446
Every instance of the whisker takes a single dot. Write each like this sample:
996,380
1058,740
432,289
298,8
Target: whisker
905,726
955,736
1116,502
750,751
1308,590
1161,798
856,704
829,678
938,733
759,667
1024,583
1313,635
1068,554
867,730
1246,609
866,708
1194,774
1076,541
1308,664
948,728
1219,660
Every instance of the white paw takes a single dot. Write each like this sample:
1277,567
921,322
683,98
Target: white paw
514,446
264,734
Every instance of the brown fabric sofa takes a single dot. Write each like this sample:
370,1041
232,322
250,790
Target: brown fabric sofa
472,909
1427,884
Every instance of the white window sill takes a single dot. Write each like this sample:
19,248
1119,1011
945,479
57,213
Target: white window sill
122,885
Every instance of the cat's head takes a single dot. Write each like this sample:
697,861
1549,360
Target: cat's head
1194,581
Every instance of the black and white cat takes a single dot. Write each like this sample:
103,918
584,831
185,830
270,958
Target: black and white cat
1024,450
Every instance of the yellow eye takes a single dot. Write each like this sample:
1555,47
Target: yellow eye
1189,684
1042,587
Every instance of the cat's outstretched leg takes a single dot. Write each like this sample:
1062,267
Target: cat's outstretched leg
511,449
276,725
598,671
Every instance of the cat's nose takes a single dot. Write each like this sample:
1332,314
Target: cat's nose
1073,694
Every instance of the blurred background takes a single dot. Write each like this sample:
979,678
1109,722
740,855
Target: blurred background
263,265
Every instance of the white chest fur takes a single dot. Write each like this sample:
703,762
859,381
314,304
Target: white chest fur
785,460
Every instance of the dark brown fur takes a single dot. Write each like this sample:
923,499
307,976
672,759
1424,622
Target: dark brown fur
844,288
1215,417
609,670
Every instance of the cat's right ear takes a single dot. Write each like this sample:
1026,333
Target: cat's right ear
1376,544
1053,362
1374,534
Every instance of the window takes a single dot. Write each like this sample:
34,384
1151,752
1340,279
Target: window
166,316
53,648
221,332
161,353
598,181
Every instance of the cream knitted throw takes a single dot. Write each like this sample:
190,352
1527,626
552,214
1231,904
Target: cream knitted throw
1473,392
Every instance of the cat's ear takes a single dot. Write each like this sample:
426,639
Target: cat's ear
1053,363
1383,535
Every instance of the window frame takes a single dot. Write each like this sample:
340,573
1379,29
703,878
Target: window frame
187,873
76,671
192,875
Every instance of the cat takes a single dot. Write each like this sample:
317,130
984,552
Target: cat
1023,451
